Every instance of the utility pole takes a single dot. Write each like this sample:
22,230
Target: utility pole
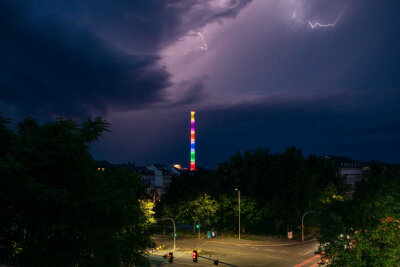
239,208
302,225
174,229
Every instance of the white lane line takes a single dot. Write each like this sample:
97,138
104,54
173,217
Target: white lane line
308,252
264,245
267,249
254,247
284,251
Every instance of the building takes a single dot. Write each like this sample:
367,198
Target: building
163,174
103,165
350,170
148,177
156,178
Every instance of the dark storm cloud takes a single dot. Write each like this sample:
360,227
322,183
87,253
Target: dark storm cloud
188,93
320,124
76,58
149,25
50,68
275,82
339,123
360,51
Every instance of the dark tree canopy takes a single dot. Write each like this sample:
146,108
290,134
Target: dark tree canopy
276,189
364,230
56,208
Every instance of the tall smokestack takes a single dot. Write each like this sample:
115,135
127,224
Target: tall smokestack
192,142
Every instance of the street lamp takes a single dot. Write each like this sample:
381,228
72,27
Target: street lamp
239,208
174,228
302,225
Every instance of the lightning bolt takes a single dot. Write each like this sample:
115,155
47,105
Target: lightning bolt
203,47
317,24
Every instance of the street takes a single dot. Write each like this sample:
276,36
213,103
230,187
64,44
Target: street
236,252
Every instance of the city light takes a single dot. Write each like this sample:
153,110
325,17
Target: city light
177,166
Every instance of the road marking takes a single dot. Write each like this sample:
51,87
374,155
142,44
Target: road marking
307,261
306,253
254,247
247,245
267,249
284,251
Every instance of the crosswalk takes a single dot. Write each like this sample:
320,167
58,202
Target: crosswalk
311,262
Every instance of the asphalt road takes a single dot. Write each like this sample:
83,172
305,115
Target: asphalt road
237,253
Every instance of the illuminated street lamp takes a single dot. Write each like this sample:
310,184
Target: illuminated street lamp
302,225
239,208
174,229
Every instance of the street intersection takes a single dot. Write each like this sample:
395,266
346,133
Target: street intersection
234,252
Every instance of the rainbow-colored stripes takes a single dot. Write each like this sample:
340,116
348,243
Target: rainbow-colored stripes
192,142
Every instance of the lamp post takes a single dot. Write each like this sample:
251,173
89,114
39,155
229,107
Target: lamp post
239,208
174,228
302,225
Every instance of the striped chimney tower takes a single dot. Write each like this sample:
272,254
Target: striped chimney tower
192,142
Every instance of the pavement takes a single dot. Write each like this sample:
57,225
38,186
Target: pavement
234,252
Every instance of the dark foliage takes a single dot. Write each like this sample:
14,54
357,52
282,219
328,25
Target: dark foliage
56,208
276,189
352,231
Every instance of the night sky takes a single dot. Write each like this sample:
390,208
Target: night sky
322,75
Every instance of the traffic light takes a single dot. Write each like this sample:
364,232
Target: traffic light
175,234
197,226
194,255
170,257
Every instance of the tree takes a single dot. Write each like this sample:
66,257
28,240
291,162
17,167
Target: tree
276,189
283,186
227,212
147,207
352,231
201,210
379,246
56,209
250,212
